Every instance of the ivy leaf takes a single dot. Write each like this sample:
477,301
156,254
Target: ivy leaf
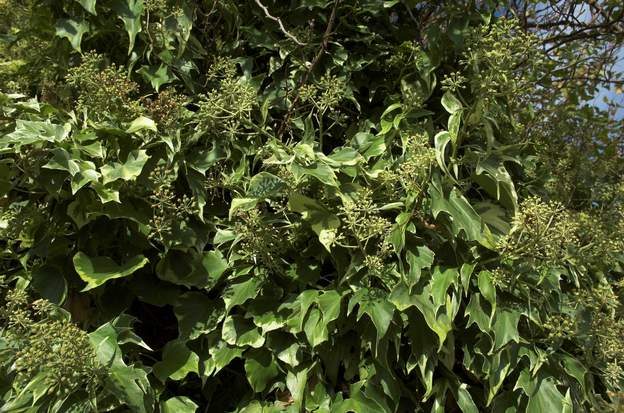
376,306
464,399
542,392
223,354
97,270
319,170
486,287
261,369
72,30
50,283
197,315
88,5
141,123
453,127
463,216
441,141
156,76
86,174
506,328
127,171
476,315
179,404
130,11
450,102
422,258
243,204
62,160
315,328
129,384
29,132
238,331
238,293
265,185
492,175
322,221
177,362
191,269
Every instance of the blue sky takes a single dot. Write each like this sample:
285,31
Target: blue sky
611,94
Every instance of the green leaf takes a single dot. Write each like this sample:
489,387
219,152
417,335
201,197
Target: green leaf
132,387
130,11
487,288
463,216
128,384
177,362
238,331
417,262
97,270
179,404
506,327
324,173
85,175
441,141
214,263
492,175
62,160
239,292
50,283
542,392
476,315
376,306
261,369
450,102
88,5
441,280
453,127
197,315
142,123
223,354
322,221
244,204
72,30
265,185
191,269
329,303
156,75
30,132
464,400
127,171
315,328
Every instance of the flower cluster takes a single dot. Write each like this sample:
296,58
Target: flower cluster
454,82
166,109
361,220
412,172
606,328
19,221
105,92
493,54
544,232
260,241
225,108
44,343
168,209
326,94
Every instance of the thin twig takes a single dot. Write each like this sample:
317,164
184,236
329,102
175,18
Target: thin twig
279,22
317,58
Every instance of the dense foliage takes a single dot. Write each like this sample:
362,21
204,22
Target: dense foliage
309,206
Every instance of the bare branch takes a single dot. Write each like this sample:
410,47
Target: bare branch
279,22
